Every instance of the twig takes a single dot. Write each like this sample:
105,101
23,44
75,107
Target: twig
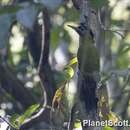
42,48
109,29
124,86
120,73
126,91
43,103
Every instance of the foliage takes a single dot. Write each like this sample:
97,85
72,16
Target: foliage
18,120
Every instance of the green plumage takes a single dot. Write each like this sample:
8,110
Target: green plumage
88,56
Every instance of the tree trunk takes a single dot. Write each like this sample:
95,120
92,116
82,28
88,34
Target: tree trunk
87,104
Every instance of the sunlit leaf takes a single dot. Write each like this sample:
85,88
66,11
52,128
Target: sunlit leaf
69,69
73,61
13,120
58,96
31,110
77,124
108,128
113,117
69,72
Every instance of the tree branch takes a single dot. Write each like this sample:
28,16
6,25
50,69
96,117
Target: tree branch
39,44
88,63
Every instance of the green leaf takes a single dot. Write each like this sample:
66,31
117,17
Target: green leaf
77,124
31,110
113,117
98,3
73,61
9,9
13,120
69,69
108,128
69,72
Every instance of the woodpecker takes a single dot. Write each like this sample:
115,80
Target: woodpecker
88,64
88,56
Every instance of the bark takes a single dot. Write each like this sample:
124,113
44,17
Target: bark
87,85
34,45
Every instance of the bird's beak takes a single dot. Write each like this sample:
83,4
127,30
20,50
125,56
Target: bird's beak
75,28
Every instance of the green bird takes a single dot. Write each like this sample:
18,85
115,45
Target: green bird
88,64
88,56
